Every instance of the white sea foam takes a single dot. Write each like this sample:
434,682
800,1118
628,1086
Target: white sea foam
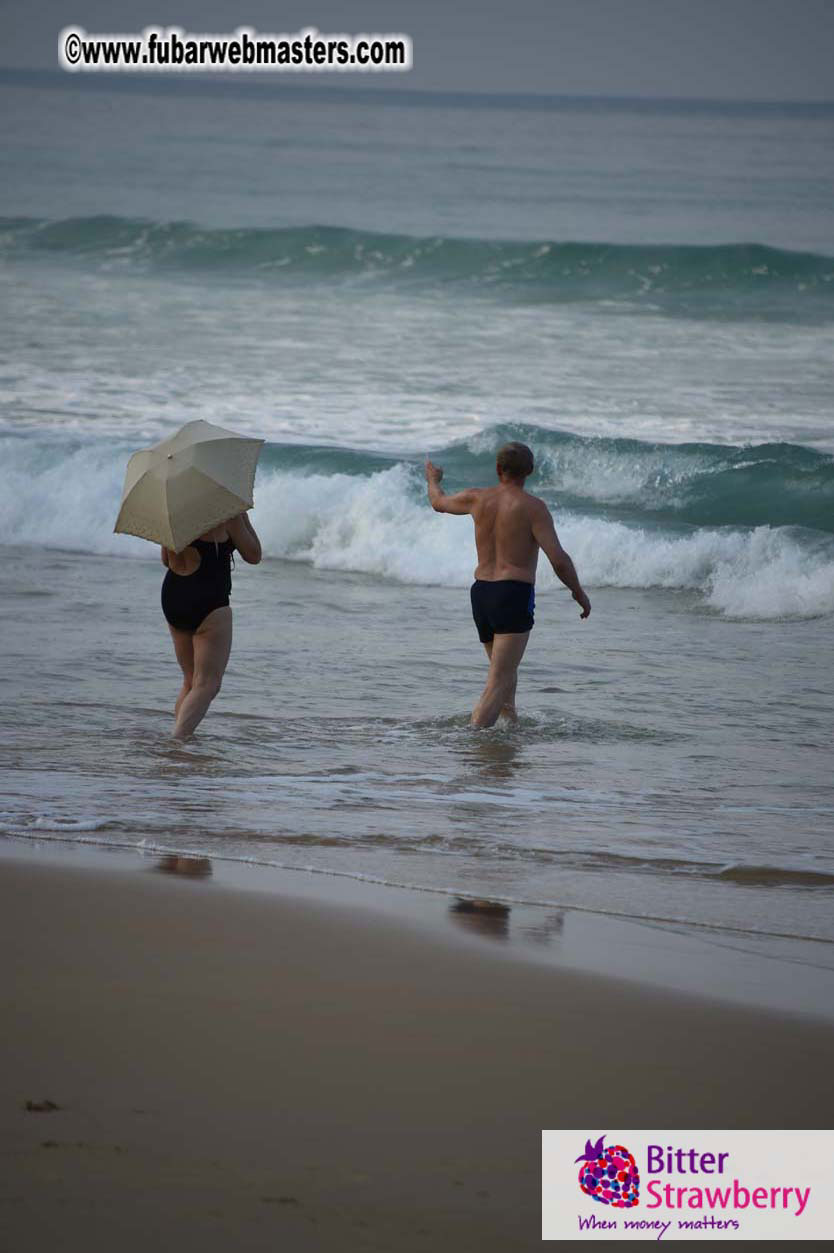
380,524
763,573
46,823
373,524
63,496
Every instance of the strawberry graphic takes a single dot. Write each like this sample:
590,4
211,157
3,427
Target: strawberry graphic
609,1175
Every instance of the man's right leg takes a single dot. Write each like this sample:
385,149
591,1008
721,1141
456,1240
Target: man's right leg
508,709
507,651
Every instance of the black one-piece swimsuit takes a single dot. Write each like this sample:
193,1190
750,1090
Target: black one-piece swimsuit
187,599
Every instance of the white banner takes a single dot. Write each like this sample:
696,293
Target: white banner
687,1185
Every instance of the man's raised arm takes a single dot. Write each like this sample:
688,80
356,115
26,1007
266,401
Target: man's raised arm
544,533
460,502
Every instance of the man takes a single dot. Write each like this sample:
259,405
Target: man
510,528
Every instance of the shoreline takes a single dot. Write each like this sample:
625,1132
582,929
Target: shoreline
747,969
240,1067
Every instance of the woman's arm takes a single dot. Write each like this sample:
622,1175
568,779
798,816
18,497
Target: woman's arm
183,563
245,538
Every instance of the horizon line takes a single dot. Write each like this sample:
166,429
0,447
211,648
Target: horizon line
254,84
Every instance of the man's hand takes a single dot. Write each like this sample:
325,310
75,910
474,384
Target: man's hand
433,473
582,600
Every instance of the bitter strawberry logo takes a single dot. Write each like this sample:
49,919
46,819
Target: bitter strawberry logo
609,1175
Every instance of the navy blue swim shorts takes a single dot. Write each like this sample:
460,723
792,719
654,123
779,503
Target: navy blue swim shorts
502,607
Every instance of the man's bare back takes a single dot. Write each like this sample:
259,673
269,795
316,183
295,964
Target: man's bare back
504,519
511,525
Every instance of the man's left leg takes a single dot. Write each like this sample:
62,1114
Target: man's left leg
507,651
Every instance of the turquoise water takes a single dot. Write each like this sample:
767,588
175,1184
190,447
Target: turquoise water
646,296
723,281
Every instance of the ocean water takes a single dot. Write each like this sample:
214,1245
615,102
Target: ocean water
644,295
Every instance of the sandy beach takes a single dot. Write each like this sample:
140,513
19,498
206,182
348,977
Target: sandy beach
239,1068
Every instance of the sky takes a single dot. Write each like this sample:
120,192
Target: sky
720,49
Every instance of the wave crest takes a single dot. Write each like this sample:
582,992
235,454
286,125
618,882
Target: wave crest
341,510
745,279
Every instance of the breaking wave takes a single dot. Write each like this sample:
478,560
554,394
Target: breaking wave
624,510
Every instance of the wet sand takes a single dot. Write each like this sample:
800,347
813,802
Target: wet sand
246,1069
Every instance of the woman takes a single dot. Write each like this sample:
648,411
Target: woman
195,601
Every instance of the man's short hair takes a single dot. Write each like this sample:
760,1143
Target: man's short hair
515,460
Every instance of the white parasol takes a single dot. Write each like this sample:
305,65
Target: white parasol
186,485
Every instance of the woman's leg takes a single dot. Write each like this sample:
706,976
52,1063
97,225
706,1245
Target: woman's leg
184,648
212,645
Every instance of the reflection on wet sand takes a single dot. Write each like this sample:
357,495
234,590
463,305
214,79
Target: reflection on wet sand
492,919
188,867
543,932
489,918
